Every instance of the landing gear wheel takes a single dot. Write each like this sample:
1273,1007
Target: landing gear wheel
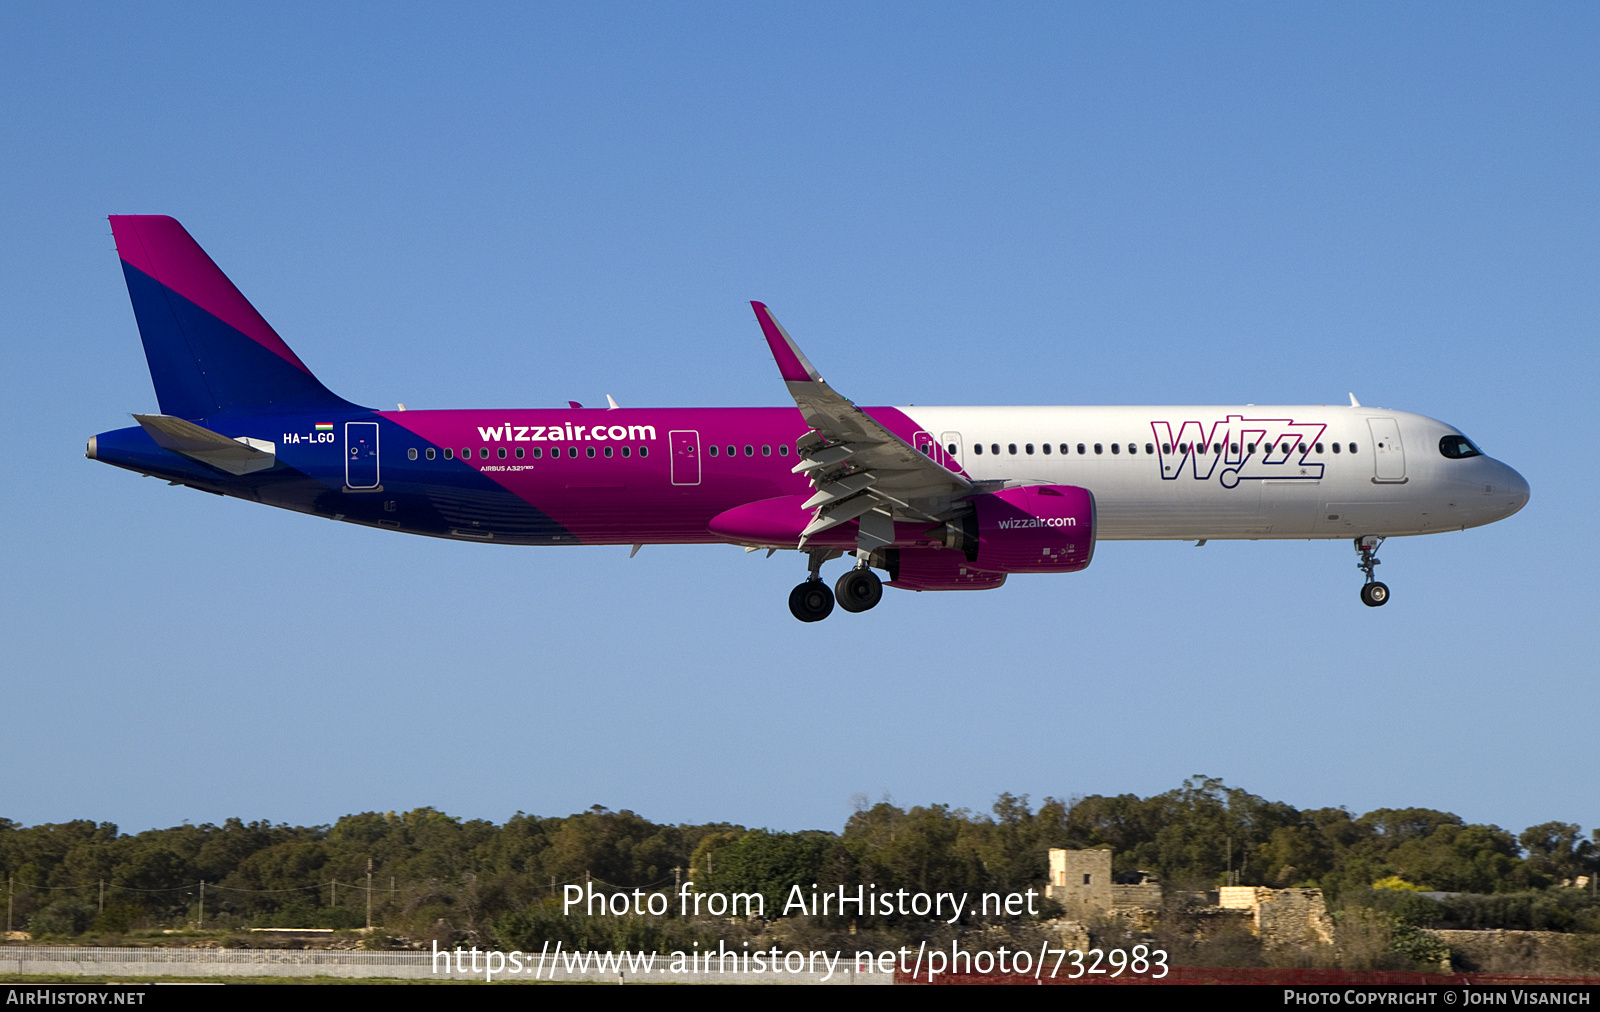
1375,594
812,601
858,590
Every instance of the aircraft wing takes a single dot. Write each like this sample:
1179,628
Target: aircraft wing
859,469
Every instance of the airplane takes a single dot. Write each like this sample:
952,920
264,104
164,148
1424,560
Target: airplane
937,498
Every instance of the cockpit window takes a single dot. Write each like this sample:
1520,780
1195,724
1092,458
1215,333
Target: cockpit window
1458,447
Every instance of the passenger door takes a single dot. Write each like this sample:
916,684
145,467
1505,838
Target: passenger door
685,456
1388,453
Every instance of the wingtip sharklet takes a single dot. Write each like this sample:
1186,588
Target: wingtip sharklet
792,362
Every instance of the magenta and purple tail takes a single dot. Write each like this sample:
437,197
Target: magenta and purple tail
209,351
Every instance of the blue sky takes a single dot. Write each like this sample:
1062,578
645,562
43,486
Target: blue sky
517,205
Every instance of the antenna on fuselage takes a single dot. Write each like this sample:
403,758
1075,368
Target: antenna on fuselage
1353,402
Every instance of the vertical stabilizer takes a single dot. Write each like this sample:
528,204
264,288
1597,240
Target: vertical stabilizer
209,350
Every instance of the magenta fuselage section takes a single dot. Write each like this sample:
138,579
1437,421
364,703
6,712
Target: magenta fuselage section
624,475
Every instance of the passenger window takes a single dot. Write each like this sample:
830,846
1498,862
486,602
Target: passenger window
1166,447
449,454
1250,447
749,451
1046,449
644,451
588,452
994,448
783,449
952,449
1115,448
501,453
466,453
538,452
1319,447
608,452
1012,448
1098,448
430,453
1081,450
1335,447
521,453
626,451
1352,448
712,449
766,450
1233,447
733,451
1133,447
977,448
572,451
1028,449
411,454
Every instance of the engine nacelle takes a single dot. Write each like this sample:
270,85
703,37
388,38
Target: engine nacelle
934,569
1033,529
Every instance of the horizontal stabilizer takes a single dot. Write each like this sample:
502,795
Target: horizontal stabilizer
235,456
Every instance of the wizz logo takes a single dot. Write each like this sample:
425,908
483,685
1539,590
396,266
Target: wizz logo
1238,449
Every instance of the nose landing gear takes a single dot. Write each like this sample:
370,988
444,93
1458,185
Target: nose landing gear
1373,594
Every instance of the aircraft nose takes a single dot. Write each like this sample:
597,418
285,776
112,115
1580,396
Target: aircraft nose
1516,488
1500,491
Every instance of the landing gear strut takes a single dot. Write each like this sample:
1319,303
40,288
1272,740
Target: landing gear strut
1373,593
812,601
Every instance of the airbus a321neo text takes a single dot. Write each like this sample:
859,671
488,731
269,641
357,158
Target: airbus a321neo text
938,498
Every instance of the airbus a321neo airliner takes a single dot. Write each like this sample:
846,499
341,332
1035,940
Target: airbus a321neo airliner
938,498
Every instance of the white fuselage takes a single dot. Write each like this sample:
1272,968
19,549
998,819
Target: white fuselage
1252,471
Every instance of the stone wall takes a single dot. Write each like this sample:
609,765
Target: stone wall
1522,952
1144,896
1282,917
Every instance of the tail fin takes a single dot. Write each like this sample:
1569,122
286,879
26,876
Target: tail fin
209,350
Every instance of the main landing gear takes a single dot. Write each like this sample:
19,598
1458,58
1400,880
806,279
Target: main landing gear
1373,594
856,591
859,589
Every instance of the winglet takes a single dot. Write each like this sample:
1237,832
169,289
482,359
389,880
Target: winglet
792,363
